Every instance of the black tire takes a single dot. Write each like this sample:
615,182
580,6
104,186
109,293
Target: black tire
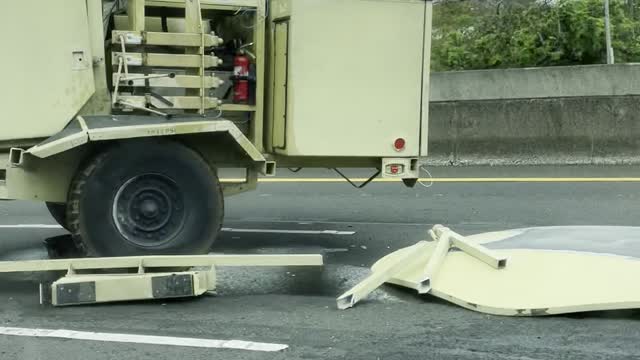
59,213
145,197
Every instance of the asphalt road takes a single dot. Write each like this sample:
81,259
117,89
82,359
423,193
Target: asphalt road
296,306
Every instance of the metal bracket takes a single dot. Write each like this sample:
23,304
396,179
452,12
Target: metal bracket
70,270
130,79
122,63
375,280
160,98
143,108
16,156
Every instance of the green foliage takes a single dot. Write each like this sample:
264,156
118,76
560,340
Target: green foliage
562,32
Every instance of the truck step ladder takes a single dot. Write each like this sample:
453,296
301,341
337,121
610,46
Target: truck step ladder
154,70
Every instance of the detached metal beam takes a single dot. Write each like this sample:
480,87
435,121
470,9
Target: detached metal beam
160,261
479,252
375,280
434,264
425,263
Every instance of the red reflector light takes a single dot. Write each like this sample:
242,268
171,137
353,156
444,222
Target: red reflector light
394,169
399,144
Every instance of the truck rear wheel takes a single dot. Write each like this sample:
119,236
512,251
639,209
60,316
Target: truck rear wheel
145,197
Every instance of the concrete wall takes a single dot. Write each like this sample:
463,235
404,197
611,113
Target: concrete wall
574,115
561,81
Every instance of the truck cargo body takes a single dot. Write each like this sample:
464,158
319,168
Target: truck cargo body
332,83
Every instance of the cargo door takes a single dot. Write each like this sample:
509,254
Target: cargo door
354,77
281,64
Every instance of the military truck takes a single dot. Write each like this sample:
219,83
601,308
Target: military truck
119,115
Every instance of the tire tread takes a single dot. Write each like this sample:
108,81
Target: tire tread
73,204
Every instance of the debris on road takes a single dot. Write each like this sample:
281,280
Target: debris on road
420,258
551,270
87,288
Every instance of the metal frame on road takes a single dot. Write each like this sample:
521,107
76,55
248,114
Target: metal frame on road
87,288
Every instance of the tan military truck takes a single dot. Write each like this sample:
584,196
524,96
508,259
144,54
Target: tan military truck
118,115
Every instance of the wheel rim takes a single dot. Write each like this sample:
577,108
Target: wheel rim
148,210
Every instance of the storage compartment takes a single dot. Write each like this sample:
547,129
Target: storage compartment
47,63
346,77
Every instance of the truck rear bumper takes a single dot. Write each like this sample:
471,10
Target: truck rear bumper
400,168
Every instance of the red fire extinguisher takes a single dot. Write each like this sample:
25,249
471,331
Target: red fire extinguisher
241,75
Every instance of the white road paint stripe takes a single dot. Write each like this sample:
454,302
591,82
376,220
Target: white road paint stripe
143,339
310,222
336,250
268,231
305,232
30,226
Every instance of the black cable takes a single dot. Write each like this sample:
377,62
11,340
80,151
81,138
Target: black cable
361,185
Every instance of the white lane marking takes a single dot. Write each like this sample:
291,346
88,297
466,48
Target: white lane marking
143,339
30,226
336,250
306,232
268,231
311,222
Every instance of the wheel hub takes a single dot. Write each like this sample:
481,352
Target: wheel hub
148,210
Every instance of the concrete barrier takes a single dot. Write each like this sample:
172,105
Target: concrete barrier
537,116
530,83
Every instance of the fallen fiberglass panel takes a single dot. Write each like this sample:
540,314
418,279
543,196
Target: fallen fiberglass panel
550,270
614,240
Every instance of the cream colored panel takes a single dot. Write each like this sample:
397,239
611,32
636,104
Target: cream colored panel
279,9
534,281
47,66
567,282
4,160
355,77
42,180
